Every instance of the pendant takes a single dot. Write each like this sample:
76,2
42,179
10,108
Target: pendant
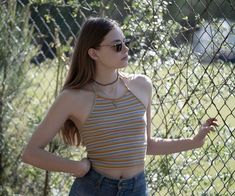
114,104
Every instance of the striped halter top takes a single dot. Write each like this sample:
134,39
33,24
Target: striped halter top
114,133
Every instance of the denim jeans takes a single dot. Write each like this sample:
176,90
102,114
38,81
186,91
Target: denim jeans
95,184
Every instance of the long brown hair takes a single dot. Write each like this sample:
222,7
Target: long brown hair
82,68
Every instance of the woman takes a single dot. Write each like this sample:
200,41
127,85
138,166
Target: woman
109,113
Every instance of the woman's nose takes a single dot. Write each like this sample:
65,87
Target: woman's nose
125,48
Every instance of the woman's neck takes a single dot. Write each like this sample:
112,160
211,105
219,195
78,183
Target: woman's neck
106,78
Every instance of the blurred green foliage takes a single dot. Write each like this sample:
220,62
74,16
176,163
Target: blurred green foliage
16,52
185,92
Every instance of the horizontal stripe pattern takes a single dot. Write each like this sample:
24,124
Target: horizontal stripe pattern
114,133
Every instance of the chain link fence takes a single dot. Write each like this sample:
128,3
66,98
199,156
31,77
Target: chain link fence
185,46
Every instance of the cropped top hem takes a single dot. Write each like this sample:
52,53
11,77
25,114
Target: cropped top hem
117,167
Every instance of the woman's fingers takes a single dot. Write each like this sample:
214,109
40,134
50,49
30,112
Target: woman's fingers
212,121
210,125
209,128
84,167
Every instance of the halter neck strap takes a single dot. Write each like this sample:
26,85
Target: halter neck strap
124,82
93,88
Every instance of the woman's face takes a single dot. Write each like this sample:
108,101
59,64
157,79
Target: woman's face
113,53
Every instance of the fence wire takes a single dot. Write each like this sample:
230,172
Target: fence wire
187,47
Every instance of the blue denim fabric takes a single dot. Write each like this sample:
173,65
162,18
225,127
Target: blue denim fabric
95,184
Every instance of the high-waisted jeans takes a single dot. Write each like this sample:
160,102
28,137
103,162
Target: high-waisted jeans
95,184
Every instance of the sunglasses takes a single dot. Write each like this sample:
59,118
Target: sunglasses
118,45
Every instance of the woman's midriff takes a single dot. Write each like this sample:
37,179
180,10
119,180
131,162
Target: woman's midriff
124,173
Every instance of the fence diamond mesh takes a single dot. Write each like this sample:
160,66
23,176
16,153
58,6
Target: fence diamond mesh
186,47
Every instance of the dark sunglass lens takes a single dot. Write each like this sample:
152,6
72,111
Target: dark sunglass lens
118,47
127,43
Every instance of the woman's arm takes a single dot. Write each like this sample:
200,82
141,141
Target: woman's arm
34,152
158,146
169,146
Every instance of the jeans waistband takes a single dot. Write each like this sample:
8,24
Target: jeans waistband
135,181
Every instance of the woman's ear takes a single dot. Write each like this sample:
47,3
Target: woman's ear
93,53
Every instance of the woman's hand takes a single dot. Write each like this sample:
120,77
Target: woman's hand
83,167
205,128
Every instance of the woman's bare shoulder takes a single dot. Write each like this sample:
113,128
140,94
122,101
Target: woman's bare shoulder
137,79
79,103
76,93
76,96
140,85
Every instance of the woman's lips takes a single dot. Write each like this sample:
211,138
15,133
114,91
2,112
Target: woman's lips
125,58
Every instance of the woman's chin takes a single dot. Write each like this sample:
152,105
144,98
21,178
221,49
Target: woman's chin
123,65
